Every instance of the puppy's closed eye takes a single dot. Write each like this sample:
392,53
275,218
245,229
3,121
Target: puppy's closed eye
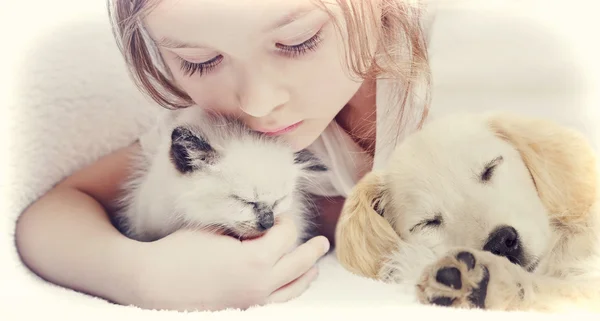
430,222
490,167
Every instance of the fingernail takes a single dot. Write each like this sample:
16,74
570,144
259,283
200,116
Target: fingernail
326,245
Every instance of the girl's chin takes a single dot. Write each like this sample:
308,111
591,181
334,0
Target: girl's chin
303,139
300,144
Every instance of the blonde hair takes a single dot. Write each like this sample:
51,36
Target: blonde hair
400,54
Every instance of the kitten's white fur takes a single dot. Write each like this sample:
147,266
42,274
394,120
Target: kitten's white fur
158,199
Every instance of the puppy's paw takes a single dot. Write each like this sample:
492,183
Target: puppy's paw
457,280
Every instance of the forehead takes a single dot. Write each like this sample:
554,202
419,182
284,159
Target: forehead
442,155
448,142
203,17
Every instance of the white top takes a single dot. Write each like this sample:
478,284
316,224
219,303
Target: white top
469,74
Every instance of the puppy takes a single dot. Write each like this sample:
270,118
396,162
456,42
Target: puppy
211,172
494,211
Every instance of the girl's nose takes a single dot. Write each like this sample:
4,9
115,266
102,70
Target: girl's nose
261,93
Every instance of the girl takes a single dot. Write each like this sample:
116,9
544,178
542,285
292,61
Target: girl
347,79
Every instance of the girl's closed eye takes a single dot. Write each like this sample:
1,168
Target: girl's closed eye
290,51
191,68
296,50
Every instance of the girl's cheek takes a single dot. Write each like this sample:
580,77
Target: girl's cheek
214,93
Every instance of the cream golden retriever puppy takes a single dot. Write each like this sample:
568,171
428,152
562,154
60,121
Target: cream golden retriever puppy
494,211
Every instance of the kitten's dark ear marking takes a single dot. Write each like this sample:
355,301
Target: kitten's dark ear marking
189,151
309,162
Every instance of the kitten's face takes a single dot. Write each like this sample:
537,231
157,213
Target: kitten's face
241,187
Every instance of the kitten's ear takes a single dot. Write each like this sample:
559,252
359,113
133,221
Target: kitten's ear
309,162
189,151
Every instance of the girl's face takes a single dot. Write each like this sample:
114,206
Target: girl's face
277,65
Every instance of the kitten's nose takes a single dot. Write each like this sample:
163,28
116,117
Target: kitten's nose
504,241
266,220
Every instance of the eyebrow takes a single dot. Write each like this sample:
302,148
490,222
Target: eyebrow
291,17
172,43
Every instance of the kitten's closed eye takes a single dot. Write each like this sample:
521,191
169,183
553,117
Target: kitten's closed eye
256,204
242,200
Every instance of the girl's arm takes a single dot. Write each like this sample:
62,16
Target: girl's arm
66,236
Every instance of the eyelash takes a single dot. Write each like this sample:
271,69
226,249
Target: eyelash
436,221
189,68
240,199
297,50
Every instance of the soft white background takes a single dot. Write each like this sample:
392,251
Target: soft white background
66,100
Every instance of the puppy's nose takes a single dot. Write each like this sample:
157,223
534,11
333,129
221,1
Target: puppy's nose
504,241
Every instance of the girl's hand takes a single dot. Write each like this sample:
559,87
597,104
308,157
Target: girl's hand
192,270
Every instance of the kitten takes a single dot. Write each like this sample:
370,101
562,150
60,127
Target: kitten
214,173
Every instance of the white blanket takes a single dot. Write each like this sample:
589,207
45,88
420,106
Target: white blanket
66,100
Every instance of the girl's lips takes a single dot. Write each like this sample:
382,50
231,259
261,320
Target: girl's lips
282,130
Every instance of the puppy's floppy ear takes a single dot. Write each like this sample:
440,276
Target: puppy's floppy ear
364,238
560,160
190,151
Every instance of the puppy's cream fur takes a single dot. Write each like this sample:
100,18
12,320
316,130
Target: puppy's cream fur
434,207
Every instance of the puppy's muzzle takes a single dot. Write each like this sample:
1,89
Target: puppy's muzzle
504,241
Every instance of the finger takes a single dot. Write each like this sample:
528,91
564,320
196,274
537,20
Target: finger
295,288
277,241
296,263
